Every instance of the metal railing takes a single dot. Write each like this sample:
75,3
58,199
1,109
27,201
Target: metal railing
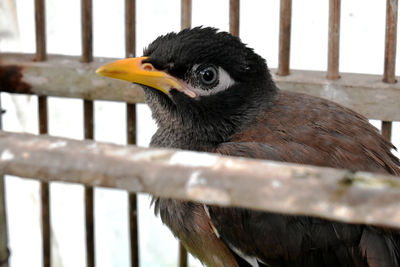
19,74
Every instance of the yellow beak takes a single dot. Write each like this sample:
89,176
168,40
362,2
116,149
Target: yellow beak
134,70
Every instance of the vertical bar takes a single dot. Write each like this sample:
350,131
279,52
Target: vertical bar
88,110
186,14
387,129
284,37
89,200
40,27
4,251
390,54
130,51
87,30
130,30
333,42
132,198
45,190
390,41
183,256
234,14
186,22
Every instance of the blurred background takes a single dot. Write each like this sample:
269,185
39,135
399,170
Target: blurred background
361,51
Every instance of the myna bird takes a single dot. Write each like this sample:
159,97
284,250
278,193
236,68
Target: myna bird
209,92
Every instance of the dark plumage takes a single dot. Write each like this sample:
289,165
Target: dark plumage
243,113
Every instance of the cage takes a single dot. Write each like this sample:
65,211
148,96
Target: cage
49,159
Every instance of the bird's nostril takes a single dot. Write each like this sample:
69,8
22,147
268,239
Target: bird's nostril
148,67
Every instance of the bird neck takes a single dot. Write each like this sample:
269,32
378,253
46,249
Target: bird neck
203,124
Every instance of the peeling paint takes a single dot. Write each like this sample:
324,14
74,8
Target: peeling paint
36,80
99,83
7,155
58,144
341,211
192,159
276,184
195,179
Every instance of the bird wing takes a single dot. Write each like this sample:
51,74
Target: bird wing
298,240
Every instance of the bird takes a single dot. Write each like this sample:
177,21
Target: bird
208,91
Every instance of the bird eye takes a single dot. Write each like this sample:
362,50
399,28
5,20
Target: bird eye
208,75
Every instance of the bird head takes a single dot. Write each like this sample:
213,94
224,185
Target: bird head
198,75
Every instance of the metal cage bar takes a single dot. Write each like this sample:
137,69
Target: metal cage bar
234,14
41,55
4,250
390,54
333,40
88,111
186,22
130,51
285,22
186,14
45,189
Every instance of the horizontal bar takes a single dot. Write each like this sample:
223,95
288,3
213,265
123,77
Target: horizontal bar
356,197
63,76
67,77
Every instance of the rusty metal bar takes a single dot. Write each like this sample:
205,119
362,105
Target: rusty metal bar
130,51
40,27
88,110
337,194
44,189
52,77
234,14
389,75
186,22
183,256
284,37
4,250
390,41
186,14
387,129
130,28
87,30
132,198
89,199
334,37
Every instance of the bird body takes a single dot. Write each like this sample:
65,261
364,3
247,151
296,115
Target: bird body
209,92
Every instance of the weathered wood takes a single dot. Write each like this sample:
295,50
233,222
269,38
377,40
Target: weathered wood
358,197
66,76
366,94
